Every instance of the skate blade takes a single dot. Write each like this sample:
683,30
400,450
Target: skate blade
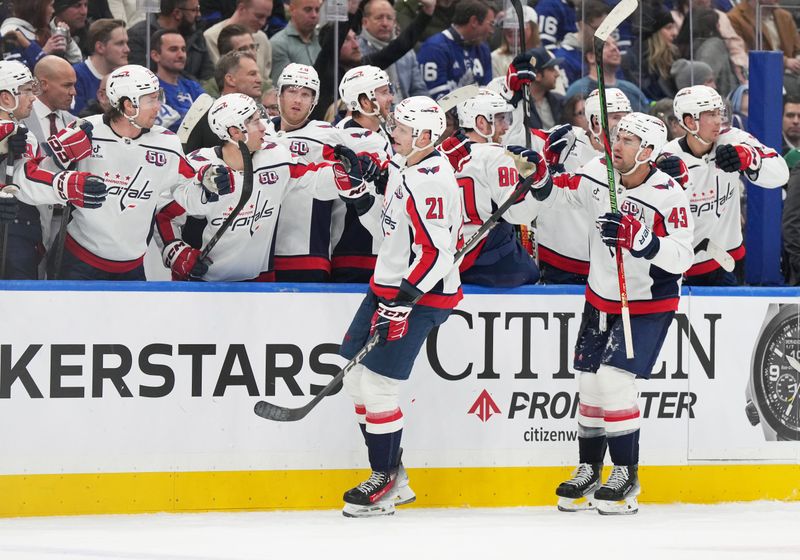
383,507
629,506
404,495
572,505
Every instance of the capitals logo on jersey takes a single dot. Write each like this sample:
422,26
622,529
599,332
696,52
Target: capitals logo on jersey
429,170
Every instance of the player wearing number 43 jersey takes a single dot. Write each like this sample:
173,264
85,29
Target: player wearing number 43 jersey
653,231
413,290
715,159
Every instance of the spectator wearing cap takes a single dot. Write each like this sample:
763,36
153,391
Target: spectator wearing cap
658,51
377,31
69,19
459,55
612,60
183,16
252,15
169,53
109,44
575,44
687,73
503,55
548,105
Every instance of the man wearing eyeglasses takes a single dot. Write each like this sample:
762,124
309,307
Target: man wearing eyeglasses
181,15
252,15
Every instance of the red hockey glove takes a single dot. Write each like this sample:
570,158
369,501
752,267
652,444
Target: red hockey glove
390,320
627,232
349,180
184,261
560,142
70,144
520,72
740,157
80,188
216,180
458,150
676,168
13,137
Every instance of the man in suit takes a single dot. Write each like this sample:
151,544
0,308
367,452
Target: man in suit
50,114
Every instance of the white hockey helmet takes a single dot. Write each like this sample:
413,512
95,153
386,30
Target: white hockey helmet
421,113
649,129
694,100
486,104
130,82
300,75
362,80
13,75
616,102
231,110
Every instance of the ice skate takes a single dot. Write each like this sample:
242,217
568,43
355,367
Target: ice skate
618,496
372,497
577,493
402,493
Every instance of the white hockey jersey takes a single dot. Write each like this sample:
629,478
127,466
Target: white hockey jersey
421,223
303,237
714,195
565,248
244,251
486,178
354,248
140,174
653,284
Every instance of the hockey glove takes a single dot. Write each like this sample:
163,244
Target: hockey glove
373,172
215,180
676,168
629,233
560,142
350,180
740,157
531,165
184,261
8,208
390,319
70,144
458,149
520,73
82,189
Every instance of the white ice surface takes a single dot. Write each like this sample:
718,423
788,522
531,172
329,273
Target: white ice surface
760,530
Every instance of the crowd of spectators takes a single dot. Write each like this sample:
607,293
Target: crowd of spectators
428,47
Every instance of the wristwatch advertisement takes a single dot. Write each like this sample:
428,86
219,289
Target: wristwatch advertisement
773,389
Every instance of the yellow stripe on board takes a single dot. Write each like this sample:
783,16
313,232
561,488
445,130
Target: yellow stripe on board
75,494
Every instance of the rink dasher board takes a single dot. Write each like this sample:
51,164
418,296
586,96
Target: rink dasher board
138,397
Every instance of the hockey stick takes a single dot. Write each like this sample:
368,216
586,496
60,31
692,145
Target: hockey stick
452,99
8,190
717,253
247,190
199,108
279,413
526,93
621,11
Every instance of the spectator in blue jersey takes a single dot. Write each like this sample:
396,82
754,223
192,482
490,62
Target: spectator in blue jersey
575,44
459,55
612,60
169,53
556,19
27,36
108,42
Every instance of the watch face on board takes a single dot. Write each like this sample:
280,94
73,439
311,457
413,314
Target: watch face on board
777,373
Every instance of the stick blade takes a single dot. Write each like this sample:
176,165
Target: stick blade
270,411
452,99
199,108
620,12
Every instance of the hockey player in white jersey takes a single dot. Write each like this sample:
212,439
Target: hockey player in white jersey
414,289
653,230
244,251
716,157
564,252
140,163
487,175
367,93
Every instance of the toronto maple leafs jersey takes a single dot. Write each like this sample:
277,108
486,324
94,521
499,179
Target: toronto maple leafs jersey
714,195
562,233
303,237
653,284
448,63
140,173
486,178
244,251
355,249
556,19
421,221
